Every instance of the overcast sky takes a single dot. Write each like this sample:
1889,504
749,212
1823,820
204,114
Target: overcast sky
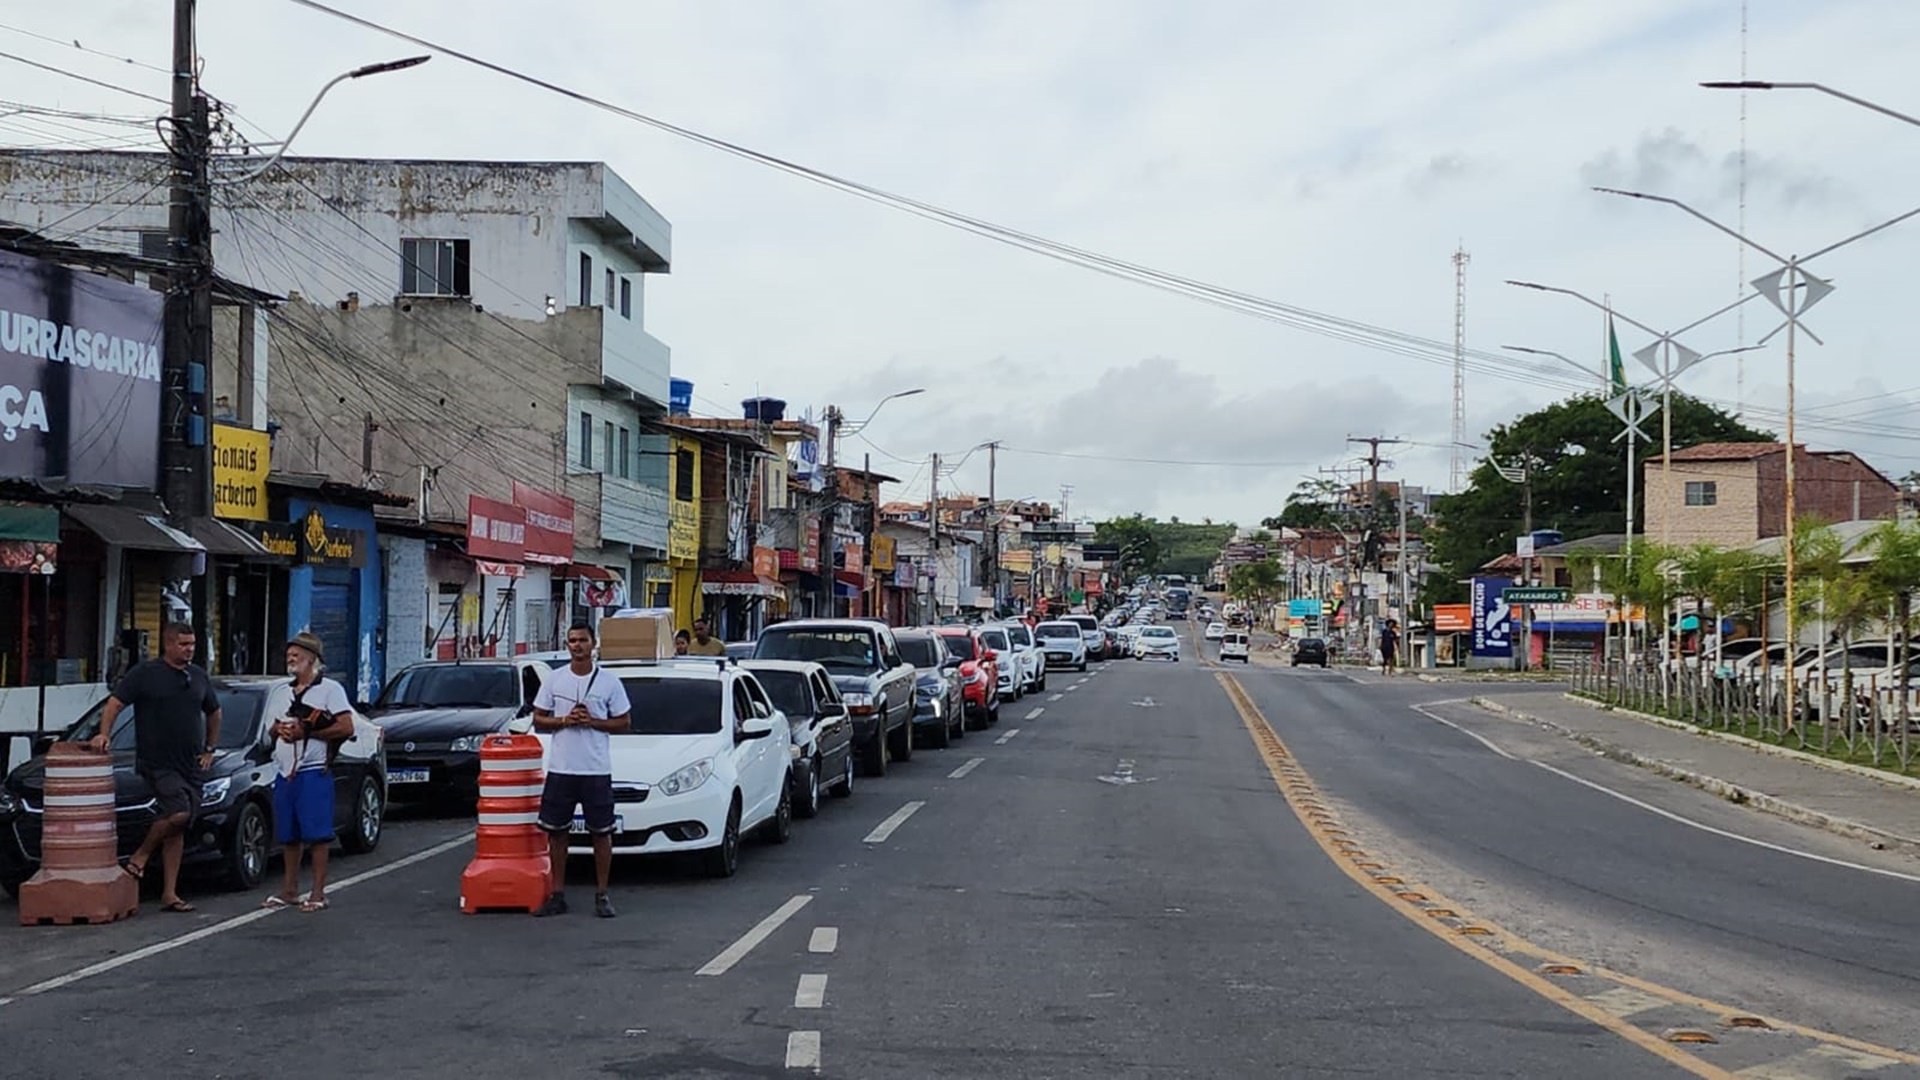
1303,152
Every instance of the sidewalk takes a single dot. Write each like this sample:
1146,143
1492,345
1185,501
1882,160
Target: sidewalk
1848,800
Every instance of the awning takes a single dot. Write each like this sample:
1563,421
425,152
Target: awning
845,591
220,538
851,577
40,524
738,583
122,527
592,573
500,569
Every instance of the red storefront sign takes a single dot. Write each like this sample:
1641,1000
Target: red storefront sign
766,562
495,530
549,524
810,546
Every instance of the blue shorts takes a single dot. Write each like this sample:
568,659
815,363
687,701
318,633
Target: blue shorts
303,807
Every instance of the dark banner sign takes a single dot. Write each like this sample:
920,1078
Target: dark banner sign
79,376
311,541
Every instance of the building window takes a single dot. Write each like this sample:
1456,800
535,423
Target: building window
431,267
606,465
586,279
608,299
586,441
683,475
626,454
626,298
1703,493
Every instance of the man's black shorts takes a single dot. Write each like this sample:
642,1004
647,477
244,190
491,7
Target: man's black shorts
173,792
564,791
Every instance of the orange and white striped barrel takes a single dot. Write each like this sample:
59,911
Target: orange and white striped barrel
80,880
510,868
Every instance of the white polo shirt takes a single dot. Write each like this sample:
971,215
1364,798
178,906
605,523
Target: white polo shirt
581,751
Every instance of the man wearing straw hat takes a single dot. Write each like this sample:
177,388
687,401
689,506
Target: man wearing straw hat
318,717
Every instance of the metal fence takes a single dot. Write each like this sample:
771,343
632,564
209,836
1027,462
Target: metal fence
1859,716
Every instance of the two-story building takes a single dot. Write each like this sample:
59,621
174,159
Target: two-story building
1733,494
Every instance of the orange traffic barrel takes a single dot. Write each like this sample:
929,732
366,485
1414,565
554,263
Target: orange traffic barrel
80,880
510,870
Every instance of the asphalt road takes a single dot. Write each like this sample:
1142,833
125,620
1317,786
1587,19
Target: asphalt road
1105,889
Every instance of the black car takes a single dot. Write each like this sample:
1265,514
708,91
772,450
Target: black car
1311,650
233,830
436,714
865,664
821,729
939,709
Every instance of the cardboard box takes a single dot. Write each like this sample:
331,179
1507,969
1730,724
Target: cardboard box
637,634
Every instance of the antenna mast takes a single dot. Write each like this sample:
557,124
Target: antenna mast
1458,478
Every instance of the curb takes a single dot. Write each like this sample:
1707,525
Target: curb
1713,785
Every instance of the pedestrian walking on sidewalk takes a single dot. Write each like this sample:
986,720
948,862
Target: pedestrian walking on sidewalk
1389,646
318,718
176,726
581,706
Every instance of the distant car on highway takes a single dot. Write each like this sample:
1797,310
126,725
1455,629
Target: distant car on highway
1311,650
1157,643
874,681
979,674
1091,633
1235,646
1032,663
1215,631
1008,683
939,705
1064,643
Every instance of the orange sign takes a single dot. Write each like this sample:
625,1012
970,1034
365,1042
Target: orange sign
1452,618
766,562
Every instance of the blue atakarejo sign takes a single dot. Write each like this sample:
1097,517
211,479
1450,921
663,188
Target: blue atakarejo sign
79,376
1492,619
1308,608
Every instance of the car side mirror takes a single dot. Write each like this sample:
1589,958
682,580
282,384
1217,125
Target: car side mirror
757,728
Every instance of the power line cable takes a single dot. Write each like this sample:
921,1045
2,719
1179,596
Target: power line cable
75,44
83,78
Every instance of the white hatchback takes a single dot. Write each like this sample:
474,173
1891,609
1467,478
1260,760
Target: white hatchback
704,762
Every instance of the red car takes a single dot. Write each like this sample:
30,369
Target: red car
979,675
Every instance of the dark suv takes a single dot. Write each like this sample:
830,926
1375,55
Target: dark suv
1311,650
233,830
874,680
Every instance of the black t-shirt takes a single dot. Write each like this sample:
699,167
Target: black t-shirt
170,706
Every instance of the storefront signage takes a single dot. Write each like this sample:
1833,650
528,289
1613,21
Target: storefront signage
683,530
549,520
1492,618
311,541
903,574
856,557
79,376
1452,618
241,461
766,562
496,530
810,546
883,553
1304,608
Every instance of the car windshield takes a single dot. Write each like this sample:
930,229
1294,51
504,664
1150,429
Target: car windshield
995,639
1020,635
788,689
959,645
922,652
1054,631
1312,643
239,720
1158,632
846,650
1085,622
452,686
670,706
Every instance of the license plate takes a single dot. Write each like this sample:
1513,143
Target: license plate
579,826
409,776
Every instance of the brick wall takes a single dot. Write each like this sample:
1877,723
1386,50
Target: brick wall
1734,520
1829,487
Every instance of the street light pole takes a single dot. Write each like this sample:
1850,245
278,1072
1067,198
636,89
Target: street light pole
1759,84
281,147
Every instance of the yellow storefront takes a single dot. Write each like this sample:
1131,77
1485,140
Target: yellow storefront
683,531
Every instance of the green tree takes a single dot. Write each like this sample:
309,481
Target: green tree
1895,572
1841,598
1314,504
1579,481
1259,581
1139,543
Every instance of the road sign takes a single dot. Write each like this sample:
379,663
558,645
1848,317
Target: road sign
1535,594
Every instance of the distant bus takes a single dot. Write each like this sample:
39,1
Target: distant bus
1176,581
1177,600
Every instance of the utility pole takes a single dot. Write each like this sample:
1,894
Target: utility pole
1405,646
933,538
186,453
367,428
866,550
833,416
993,524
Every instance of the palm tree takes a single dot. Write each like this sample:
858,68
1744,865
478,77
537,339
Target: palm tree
1895,573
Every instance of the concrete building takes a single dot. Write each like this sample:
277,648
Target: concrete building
1733,494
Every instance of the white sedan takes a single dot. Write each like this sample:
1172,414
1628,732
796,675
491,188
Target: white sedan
1216,631
1157,643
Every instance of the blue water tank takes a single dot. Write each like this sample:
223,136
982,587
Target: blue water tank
767,410
680,397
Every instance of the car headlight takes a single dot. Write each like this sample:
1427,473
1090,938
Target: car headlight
8,804
937,707
466,744
214,792
686,779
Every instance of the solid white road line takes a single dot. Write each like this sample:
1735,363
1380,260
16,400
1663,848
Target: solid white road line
1035,714
737,951
1055,697
898,818
234,923
972,764
811,993
1662,812
803,1050
825,939
1004,739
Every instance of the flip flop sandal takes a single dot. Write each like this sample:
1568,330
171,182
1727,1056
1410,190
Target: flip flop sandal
179,907
276,902
137,873
311,906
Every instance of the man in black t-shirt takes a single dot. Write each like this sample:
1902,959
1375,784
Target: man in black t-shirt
176,725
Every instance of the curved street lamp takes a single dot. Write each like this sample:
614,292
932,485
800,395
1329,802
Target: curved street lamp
357,73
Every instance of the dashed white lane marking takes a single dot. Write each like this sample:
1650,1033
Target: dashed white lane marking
1004,739
234,923
894,821
737,951
1035,714
1072,688
1055,697
803,1050
811,993
972,764
825,939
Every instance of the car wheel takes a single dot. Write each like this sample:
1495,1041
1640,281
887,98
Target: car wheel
369,812
779,828
249,848
993,715
873,756
845,788
902,747
958,730
809,803
724,859
1043,682
941,737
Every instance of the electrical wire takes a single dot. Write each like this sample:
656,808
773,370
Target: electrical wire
76,45
83,78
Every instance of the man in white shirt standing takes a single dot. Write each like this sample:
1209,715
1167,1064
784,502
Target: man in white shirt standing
317,717
580,706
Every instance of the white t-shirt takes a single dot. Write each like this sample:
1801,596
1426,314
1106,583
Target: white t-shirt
326,697
581,751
